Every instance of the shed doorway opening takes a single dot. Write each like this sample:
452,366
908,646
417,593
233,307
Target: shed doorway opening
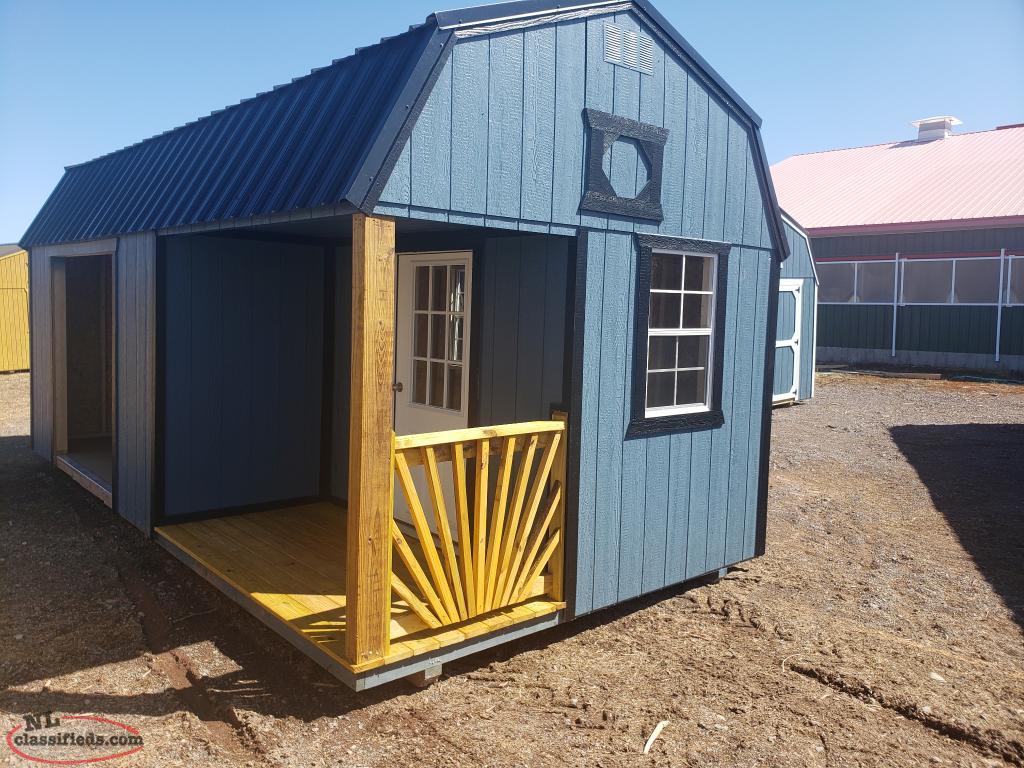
84,368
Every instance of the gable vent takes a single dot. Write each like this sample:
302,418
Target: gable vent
629,49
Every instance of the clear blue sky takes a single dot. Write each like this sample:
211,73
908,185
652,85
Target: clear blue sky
79,79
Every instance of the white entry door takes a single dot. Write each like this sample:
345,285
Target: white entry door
787,341
432,344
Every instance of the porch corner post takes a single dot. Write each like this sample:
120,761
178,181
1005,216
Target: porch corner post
371,440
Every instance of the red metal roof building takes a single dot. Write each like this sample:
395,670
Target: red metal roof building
928,231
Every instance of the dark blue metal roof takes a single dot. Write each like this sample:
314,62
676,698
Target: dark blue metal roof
301,145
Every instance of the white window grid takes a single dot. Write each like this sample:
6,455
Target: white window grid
708,333
1013,262
453,317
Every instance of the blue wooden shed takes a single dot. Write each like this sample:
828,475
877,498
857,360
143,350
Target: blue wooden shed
797,319
454,339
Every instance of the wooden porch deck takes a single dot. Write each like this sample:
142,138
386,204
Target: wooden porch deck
287,567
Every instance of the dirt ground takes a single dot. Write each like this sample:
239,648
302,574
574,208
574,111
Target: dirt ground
883,628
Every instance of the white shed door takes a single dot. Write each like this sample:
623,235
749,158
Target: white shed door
432,344
787,341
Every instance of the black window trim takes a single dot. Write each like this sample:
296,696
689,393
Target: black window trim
640,424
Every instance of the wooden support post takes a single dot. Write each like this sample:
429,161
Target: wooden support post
371,440
558,476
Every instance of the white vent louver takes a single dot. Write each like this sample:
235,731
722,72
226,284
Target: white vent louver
629,49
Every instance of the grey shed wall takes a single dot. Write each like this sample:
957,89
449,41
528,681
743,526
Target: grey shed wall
134,268
500,143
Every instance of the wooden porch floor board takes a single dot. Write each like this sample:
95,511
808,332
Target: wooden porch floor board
291,564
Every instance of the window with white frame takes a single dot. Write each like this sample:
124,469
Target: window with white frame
678,335
1014,280
680,332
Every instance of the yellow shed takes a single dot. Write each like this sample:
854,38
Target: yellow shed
13,309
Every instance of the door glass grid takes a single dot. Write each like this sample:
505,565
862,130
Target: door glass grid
439,324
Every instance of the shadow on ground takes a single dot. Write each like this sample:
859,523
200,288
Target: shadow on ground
975,476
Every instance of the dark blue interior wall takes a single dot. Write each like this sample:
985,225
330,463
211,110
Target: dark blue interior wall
658,511
342,354
520,343
242,356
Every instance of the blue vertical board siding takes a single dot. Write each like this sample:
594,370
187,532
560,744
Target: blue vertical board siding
242,358
715,183
740,426
398,189
695,179
810,292
766,288
431,147
586,524
469,142
722,463
505,126
677,525
676,92
622,160
570,97
609,412
600,93
736,184
538,123
656,513
632,502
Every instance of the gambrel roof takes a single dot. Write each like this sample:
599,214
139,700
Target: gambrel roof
321,140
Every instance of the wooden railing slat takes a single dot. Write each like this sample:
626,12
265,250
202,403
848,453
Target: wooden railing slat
416,571
480,491
540,532
462,519
515,510
415,604
426,540
444,528
536,493
508,449
553,545
473,434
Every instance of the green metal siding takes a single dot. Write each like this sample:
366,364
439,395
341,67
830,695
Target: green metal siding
867,326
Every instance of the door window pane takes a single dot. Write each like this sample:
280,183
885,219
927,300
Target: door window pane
437,384
875,284
437,336
438,288
422,287
836,282
419,344
976,281
455,324
454,388
456,288
927,282
419,381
